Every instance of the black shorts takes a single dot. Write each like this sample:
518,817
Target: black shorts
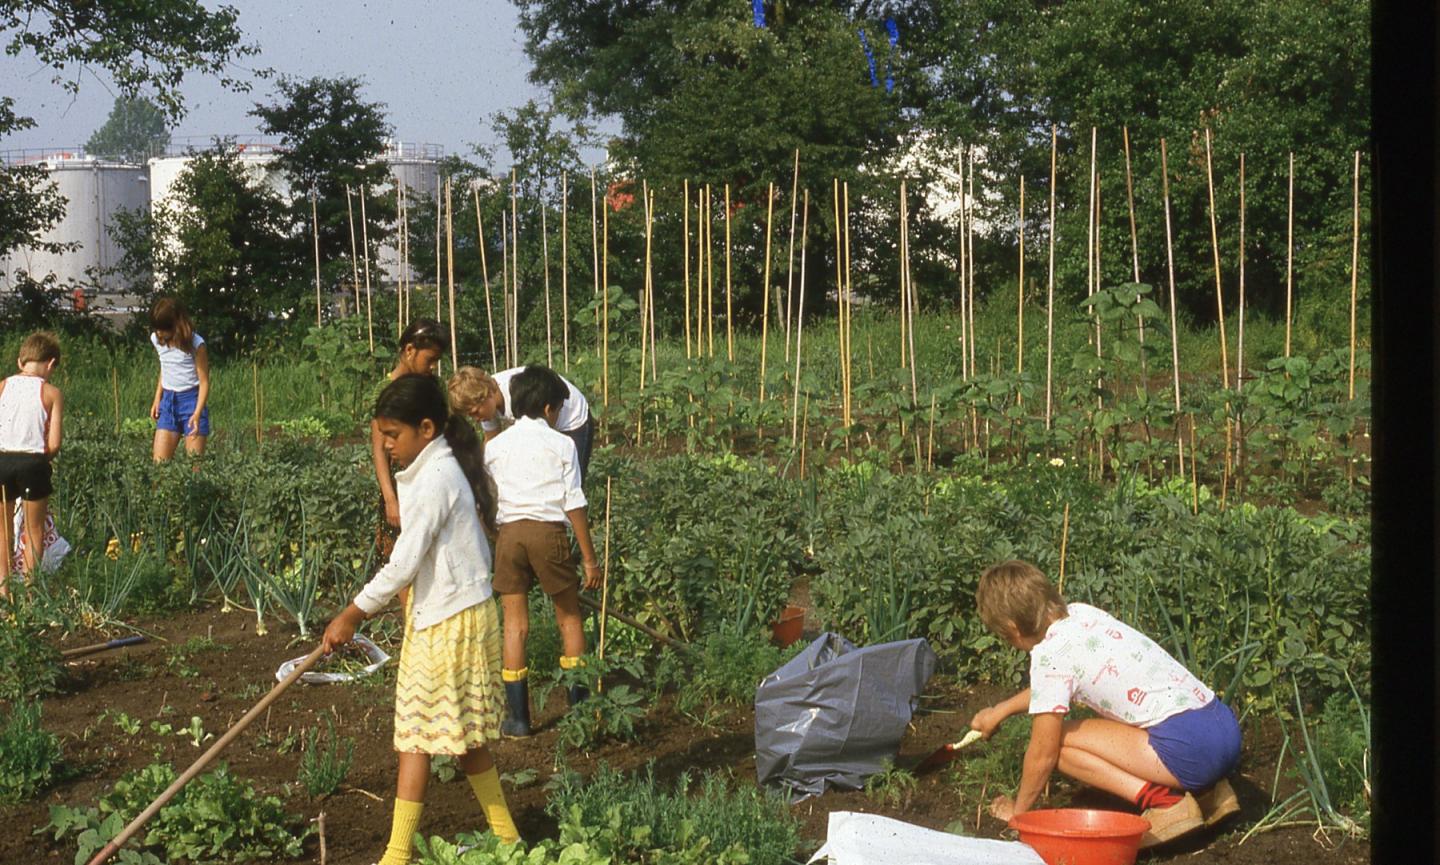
25,476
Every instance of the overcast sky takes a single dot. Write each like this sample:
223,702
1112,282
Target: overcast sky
441,67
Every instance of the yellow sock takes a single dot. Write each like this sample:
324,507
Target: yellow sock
570,662
514,675
492,800
402,832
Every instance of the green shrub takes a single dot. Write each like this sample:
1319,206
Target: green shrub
323,766
29,755
32,666
726,669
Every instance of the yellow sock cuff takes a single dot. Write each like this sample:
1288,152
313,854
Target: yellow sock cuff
514,675
492,801
402,832
570,662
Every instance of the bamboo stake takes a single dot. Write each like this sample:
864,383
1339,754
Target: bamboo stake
839,295
515,262
1050,289
605,306
1090,225
645,291
904,290
1289,254
595,251
355,265
650,290
1354,272
729,327
1020,296
605,577
255,383
505,285
1194,472
115,390
199,765
790,269
1215,246
365,257
930,438
1064,537
685,219
400,245
315,230
970,241
565,266
1240,328
849,308
1174,329
913,298
800,323
964,264
439,205
450,270
1134,250
765,288
485,275
709,273
545,258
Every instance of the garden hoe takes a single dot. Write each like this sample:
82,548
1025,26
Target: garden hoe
945,753
154,807
91,649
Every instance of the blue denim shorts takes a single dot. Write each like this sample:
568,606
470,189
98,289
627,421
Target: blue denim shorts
176,407
1198,746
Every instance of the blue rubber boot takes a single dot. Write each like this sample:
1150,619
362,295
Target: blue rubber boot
517,704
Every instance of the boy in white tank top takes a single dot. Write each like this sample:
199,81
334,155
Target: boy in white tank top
30,409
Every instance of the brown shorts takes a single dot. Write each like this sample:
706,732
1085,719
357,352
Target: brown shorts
528,550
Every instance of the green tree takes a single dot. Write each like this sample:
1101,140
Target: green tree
221,243
333,140
135,130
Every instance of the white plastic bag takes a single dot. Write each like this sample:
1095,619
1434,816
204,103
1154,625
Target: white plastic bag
377,657
853,838
56,547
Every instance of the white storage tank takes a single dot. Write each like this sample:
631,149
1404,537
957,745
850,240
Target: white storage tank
415,167
258,160
95,191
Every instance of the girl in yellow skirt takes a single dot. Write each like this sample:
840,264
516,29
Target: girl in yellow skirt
448,697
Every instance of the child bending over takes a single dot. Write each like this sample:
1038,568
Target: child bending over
1163,734
447,690
537,482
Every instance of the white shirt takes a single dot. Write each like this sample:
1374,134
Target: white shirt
573,412
441,552
23,417
177,366
1109,666
536,472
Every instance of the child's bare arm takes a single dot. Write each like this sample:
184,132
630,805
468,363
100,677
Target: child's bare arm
988,719
382,475
341,629
155,403
1041,758
580,521
54,431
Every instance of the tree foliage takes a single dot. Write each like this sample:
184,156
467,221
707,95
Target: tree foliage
135,131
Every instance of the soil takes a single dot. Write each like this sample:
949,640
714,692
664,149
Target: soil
148,682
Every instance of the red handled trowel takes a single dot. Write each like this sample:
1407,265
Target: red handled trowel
945,753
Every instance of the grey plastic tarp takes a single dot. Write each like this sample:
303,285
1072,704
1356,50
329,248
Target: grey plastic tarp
835,714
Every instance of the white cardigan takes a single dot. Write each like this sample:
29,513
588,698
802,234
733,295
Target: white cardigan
442,552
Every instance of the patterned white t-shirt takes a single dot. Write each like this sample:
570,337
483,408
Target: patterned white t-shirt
1095,658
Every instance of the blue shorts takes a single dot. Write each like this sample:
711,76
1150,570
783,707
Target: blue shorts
1198,746
176,407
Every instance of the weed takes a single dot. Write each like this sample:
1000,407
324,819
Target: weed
29,755
611,711
126,724
178,659
32,665
325,761
891,786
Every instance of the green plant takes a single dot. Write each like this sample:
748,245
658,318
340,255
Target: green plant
214,818
178,659
29,755
32,666
891,786
610,711
325,761
126,724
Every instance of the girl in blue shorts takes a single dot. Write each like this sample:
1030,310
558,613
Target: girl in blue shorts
183,389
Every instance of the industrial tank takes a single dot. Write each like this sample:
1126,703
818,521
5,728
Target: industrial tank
414,167
95,191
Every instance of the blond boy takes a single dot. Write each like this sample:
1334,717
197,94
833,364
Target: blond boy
30,430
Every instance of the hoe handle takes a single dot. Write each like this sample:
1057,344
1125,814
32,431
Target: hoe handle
199,765
101,647
621,617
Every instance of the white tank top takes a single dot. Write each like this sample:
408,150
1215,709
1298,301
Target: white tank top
23,417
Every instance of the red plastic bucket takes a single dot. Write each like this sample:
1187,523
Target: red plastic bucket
1079,836
786,629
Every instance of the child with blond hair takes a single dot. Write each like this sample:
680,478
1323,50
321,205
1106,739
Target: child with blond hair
30,431
487,399
1163,739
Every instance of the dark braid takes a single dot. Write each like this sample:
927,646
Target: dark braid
417,397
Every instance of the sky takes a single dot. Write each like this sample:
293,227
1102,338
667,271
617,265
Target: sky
441,67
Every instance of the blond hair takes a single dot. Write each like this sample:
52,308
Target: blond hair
1017,594
469,386
40,347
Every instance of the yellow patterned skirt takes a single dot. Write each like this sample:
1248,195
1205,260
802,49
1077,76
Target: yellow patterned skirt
449,697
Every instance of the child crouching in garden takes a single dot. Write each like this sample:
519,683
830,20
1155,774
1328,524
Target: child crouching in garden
537,482
447,693
1164,741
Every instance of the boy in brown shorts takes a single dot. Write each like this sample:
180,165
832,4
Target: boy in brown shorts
536,471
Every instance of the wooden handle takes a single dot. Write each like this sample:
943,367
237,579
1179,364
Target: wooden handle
621,617
199,765
91,649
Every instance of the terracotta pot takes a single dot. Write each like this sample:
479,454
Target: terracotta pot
786,629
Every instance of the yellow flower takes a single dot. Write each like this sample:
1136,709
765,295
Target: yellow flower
112,549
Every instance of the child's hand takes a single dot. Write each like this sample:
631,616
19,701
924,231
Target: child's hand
341,629
155,410
987,720
592,576
1002,807
193,427
392,513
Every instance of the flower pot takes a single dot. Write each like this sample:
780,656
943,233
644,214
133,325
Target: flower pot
786,629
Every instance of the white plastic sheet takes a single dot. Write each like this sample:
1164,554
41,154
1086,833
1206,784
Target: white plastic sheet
55,547
853,838
377,657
